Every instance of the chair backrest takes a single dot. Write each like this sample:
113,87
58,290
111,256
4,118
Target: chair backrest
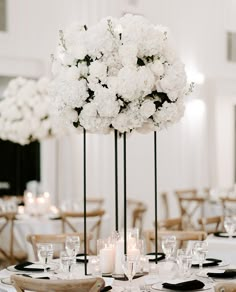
191,207
228,205
57,240
182,237
225,287
22,283
138,209
211,224
170,224
95,228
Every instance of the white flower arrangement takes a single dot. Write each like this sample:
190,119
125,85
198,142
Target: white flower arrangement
121,73
26,112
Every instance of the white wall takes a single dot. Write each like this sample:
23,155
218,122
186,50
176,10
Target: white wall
188,153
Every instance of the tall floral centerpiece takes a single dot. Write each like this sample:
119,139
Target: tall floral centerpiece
121,74
26,112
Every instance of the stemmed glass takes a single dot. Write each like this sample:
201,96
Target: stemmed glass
230,226
45,253
200,249
168,244
72,246
129,266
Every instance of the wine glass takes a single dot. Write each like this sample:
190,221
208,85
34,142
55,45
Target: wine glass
200,249
45,253
229,225
72,245
168,244
129,266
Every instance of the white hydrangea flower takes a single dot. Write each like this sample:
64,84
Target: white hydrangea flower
26,112
120,73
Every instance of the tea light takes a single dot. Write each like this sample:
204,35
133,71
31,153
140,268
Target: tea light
134,252
21,210
107,259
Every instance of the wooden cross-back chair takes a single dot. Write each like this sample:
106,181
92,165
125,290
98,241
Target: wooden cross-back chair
95,203
165,205
190,207
95,229
138,209
7,225
182,237
170,224
211,224
57,240
22,283
228,206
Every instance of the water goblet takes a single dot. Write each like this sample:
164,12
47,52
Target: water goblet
168,244
230,226
200,249
45,253
72,246
129,266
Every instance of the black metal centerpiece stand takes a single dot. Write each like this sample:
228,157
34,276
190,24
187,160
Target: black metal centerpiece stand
116,191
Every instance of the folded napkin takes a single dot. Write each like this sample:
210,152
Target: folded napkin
160,256
26,267
222,234
184,286
124,278
80,258
107,288
212,262
229,273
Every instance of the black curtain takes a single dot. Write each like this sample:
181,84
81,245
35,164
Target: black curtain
18,165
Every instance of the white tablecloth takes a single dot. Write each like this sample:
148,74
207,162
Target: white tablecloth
223,247
44,225
118,286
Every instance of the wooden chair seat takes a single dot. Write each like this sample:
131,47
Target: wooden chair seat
22,283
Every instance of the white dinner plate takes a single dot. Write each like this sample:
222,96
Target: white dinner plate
51,267
158,286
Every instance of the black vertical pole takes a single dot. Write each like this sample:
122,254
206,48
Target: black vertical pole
18,169
155,189
85,225
125,199
116,183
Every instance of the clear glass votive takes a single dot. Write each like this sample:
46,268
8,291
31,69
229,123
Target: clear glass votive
94,266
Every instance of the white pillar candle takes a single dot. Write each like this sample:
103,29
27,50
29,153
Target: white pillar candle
134,252
107,259
119,254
